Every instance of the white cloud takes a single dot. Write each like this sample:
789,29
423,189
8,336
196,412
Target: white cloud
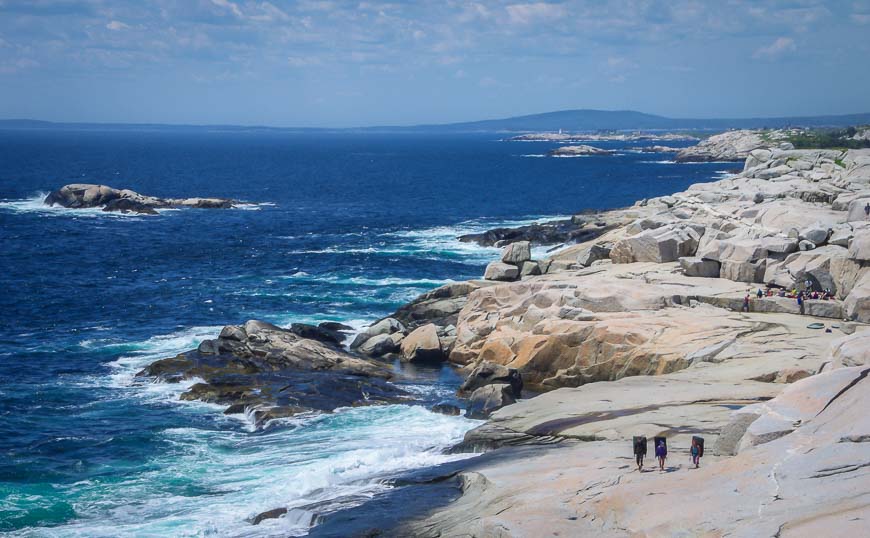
860,18
229,5
302,61
780,47
117,26
530,13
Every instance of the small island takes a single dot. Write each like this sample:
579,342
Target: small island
85,196
578,151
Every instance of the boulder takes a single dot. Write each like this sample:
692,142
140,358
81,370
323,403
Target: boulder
806,245
859,248
593,253
815,234
501,272
380,344
488,373
422,345
314,332
488,399
446,409
857,210
530,268
856,306
384,326
739,271
664,244
699,267
853,350
517,253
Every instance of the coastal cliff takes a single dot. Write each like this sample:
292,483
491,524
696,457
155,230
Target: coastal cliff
657,328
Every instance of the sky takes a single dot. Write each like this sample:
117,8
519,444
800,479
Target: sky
335,63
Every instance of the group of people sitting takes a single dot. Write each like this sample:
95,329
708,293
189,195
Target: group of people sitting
807,293
696,450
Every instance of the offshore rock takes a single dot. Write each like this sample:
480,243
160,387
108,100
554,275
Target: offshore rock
84,195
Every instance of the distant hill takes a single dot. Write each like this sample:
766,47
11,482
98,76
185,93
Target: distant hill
596,120
568,120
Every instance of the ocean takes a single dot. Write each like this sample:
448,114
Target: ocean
335,226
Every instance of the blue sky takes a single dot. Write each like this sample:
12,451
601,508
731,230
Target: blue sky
347,63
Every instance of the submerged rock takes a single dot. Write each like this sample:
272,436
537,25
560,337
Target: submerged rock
84,195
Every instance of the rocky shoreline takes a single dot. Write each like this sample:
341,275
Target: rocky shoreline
656,327
676,317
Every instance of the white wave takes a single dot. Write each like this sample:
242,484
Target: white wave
362,281
251,206
36,204
659,162
341,458
138,355
534,155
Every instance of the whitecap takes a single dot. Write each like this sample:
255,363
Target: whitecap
36,204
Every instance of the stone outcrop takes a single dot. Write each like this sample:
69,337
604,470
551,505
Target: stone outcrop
802,468
83,195
577,151
728,146
272,372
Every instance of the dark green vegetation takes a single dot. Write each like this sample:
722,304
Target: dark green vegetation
828,139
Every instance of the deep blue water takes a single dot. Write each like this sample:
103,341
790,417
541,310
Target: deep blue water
338,227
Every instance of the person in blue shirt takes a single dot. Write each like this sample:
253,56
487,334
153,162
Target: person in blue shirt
661,454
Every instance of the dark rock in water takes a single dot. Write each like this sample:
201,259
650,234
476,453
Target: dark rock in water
488,373
276,373
269,514
385,326
315,332
85,195
446,409
334,326
126,205
572,230
488,399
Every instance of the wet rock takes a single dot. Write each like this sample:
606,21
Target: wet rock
488,399
384,326
315,332
446,409
488,373
276,373
381,344
269,514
